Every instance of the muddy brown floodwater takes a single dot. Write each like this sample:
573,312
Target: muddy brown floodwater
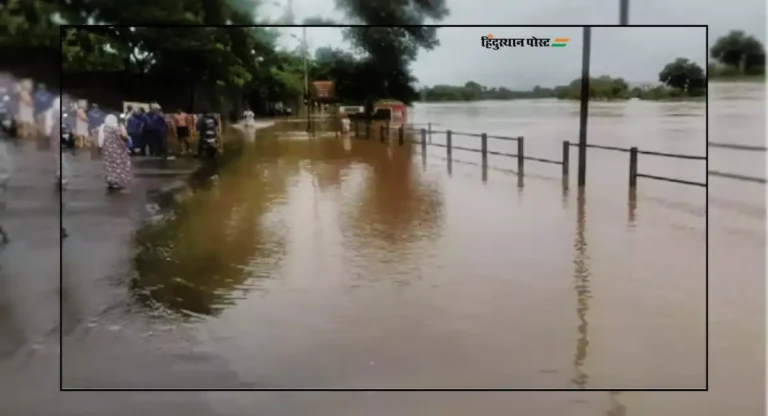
338,263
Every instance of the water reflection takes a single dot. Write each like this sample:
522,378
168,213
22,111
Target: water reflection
583,292
211,245
631,207
617,408
397,205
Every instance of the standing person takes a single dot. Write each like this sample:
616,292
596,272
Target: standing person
26,109
191,120
81,124
143,117
43,100
117,162
182,131
134,127
95,120
157,131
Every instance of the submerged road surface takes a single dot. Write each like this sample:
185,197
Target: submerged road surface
348,264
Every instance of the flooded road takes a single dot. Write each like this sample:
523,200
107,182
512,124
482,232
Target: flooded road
336,263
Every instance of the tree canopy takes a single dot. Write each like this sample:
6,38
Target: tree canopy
680,79
246,58
685,76
740,52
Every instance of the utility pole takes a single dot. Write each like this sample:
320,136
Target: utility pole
306,77
584,113
289,12
624,12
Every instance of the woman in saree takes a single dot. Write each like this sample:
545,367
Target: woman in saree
117,161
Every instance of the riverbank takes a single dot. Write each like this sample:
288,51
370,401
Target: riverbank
737,78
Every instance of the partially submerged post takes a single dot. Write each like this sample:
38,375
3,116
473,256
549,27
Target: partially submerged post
566,159
584,106
520,156
448,145
423,141
401,135
484,148
632,168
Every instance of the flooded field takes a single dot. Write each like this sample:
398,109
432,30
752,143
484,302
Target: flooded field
333,263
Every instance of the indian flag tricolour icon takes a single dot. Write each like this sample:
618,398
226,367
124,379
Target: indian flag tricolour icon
560,42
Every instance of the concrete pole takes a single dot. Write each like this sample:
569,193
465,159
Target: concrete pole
587,39
306,77
624,12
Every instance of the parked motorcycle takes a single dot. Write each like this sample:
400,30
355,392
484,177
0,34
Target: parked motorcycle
210,147
67,138
7,121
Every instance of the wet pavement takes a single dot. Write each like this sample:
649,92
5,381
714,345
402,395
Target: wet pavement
332,263
98,224
336,263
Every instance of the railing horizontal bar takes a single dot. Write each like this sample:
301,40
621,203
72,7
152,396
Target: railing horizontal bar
738,146
662,178
738,177
538,159
437,145
467,134
491,152
652,153
503,138
469,149
598,146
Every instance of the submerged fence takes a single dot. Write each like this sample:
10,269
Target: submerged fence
520,154
564,160
742,147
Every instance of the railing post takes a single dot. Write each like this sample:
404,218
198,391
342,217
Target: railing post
520,155
429,126
381,133
448,143
566,158
423,140
633,167
484,148
401,135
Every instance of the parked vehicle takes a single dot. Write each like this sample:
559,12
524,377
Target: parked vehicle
351,109
393,111
7,120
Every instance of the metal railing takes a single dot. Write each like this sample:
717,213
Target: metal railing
634,152
743,147
564,161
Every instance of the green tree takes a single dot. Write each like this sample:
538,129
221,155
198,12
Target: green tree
600,88
740,51
389,51
29,23
685,76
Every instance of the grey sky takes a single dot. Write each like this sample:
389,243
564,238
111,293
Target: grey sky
637,54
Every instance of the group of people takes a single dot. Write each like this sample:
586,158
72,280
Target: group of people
27,104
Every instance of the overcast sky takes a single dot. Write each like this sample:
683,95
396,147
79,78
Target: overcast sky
637,54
